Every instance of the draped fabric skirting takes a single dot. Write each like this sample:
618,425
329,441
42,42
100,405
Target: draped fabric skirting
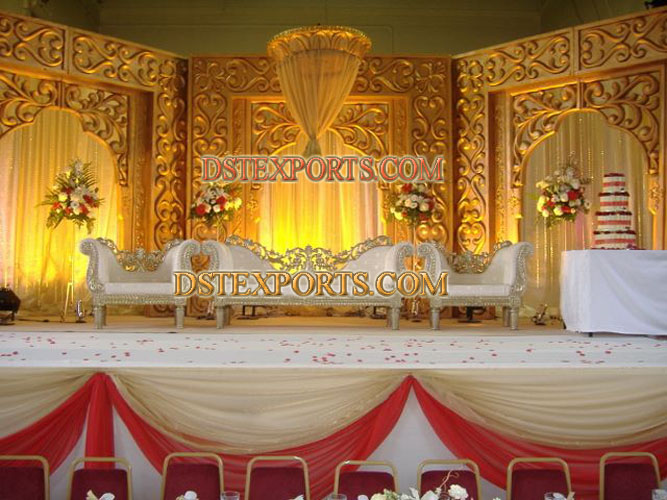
330,415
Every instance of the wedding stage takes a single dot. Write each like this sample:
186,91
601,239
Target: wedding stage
306,358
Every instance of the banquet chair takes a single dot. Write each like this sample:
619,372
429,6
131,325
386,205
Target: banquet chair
632,479
24,482
364,482
206,479
433,478
100,481
531,483
277,482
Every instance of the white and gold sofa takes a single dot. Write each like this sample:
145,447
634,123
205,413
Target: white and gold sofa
136,278
373,256
486,279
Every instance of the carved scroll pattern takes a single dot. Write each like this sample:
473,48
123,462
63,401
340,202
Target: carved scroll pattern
632,103
22,98
534,116
640,38
31,42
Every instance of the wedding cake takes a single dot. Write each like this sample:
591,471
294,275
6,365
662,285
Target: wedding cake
614,219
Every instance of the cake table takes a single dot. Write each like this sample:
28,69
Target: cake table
619,291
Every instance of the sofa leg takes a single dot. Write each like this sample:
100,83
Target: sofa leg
220,317
506,316
435,318
98,312
104,315
228,315
180,316
395,316
514,318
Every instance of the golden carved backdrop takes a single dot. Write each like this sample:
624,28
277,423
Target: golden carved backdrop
485,111
398,105
509,98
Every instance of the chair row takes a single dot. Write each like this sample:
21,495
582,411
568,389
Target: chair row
623,476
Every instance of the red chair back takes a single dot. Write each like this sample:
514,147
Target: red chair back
531,484
630,476
202,478
21,480
22,483
100,481
364,482
433,479
276,483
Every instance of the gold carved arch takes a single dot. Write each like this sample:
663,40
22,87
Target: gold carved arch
102,113
133,98
509,98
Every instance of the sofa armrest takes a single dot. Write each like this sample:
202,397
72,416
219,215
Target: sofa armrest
509,263
179,256
98,269
396,255
435,262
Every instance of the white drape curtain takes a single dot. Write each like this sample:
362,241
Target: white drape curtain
598,148
315,84
34,260
247,411
334,215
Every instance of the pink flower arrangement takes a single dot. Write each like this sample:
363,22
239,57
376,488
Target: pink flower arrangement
216,203
73,196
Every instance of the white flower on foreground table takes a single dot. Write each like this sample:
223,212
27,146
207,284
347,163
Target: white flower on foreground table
107,496
188,495
300,497
414,495
457,492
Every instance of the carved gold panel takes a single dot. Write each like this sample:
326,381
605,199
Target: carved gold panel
32,42
631,40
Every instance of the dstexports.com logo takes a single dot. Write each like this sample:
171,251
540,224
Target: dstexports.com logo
307,283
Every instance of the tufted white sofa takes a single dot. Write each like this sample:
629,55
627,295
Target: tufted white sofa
372,256
495,279
122,277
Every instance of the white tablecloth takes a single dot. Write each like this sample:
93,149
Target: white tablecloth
621,291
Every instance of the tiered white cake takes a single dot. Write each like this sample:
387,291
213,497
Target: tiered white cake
614,220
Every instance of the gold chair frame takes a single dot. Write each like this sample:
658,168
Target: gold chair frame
277,458
374,463
191,454
525,460
462,461
618,454
34,458
115,460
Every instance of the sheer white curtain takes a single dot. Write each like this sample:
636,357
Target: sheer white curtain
335,215
598,148
34,260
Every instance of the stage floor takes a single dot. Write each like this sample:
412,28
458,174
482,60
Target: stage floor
306,342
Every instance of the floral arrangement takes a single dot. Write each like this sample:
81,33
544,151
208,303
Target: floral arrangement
107,496
455,492
562,196
73,196
412,203
216,203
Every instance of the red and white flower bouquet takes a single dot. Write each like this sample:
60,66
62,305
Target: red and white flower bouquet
411,203
73,196
216,203
562,196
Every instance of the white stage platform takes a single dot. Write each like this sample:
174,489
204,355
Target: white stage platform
307,342
317,341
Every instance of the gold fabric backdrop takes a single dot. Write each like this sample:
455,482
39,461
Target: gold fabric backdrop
334,215
598,149
35,260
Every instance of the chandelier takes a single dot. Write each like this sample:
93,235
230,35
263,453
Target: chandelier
317,67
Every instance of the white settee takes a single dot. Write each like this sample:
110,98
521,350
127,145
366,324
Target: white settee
122,277
486,279
372,256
